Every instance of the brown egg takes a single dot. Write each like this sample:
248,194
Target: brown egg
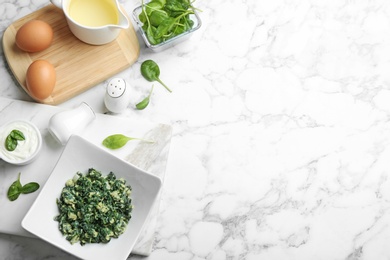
33,36
40,79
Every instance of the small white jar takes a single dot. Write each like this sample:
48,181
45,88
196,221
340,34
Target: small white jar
66,123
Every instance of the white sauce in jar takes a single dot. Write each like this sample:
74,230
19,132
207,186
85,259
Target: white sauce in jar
25,148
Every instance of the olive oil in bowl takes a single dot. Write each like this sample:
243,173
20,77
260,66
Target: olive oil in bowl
93,13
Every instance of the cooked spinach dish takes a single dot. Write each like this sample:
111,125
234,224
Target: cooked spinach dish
94,207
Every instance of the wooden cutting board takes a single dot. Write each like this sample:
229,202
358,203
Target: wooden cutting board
79,66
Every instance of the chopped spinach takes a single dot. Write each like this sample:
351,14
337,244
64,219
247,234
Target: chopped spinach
94,208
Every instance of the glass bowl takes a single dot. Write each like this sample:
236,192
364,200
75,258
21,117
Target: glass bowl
172,41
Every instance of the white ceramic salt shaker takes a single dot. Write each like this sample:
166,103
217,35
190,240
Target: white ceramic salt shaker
117,96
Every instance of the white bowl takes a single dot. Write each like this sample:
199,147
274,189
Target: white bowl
78,156
26,151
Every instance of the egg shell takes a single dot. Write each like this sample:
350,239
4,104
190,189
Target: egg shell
40,79
34,36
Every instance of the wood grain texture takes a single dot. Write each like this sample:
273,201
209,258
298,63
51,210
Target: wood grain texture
79,66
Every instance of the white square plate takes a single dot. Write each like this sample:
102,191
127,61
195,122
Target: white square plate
78,156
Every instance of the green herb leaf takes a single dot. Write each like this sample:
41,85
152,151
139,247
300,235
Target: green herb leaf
30,187
117,141
165,27
150,34
152,6
145,102
10,143
18,135
14,190
151,72
157,17
13,193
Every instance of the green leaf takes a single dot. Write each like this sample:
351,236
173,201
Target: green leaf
152,6
165,27
18,135
175,6
157,17
30,187
151,72
150,32
14,190
142,17
10,143
116,141
13,193
145,102
179,30
162,2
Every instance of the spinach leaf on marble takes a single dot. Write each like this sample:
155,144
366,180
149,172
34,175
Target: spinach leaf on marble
117,141
151,72
145,102
17,188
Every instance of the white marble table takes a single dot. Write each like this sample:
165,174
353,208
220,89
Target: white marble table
281,132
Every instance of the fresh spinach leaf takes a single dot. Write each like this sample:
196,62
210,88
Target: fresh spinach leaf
157,17
117,141
17,134
11,141
16,189
152,6
151,72
150,35
165,27
145,102
30,187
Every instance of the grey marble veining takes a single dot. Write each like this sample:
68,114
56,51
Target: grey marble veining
280,150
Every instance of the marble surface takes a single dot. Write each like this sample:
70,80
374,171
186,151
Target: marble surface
281,132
